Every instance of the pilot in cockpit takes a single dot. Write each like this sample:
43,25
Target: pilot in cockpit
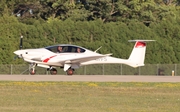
78,50
59,49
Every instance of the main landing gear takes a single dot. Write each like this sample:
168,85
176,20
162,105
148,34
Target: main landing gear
70,71
53,71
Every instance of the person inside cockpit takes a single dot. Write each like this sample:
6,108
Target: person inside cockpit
78,50
59,49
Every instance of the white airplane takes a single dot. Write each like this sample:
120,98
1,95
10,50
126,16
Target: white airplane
72,57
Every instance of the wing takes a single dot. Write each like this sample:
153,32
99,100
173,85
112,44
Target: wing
67,62
83,59
76,62
88,58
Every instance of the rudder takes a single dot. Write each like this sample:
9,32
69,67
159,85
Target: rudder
137,56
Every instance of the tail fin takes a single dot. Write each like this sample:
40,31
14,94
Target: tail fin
138,53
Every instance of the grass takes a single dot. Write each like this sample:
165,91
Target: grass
89,96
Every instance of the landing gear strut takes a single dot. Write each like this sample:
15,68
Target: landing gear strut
70,71
32,69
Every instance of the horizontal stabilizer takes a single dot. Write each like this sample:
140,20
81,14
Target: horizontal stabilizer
141,40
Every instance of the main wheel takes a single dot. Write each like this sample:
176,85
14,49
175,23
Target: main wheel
70,72
53,71
32,71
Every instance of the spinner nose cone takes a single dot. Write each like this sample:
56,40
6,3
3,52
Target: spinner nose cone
19,53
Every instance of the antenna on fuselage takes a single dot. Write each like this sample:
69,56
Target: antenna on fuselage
21,42
97,49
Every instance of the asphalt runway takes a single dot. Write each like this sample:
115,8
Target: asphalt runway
90,78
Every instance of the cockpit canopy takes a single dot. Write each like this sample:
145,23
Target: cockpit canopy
64,48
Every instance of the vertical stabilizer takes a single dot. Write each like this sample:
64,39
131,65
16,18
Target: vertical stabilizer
138,53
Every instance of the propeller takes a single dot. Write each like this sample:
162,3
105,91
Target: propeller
20,46
21,42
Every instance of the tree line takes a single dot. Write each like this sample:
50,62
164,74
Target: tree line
91,24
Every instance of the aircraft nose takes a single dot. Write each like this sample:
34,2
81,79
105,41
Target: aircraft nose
19,52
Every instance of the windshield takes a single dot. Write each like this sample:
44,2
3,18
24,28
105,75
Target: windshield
65,49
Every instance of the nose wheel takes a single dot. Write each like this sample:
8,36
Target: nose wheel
32,71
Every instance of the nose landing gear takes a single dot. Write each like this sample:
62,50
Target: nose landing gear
32,69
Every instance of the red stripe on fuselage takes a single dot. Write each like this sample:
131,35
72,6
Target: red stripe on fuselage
47,59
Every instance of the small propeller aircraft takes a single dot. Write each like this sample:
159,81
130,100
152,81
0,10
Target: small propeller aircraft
71,57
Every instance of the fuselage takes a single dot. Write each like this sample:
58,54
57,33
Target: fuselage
66,55
51,56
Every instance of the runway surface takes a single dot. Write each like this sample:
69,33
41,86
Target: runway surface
90,78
